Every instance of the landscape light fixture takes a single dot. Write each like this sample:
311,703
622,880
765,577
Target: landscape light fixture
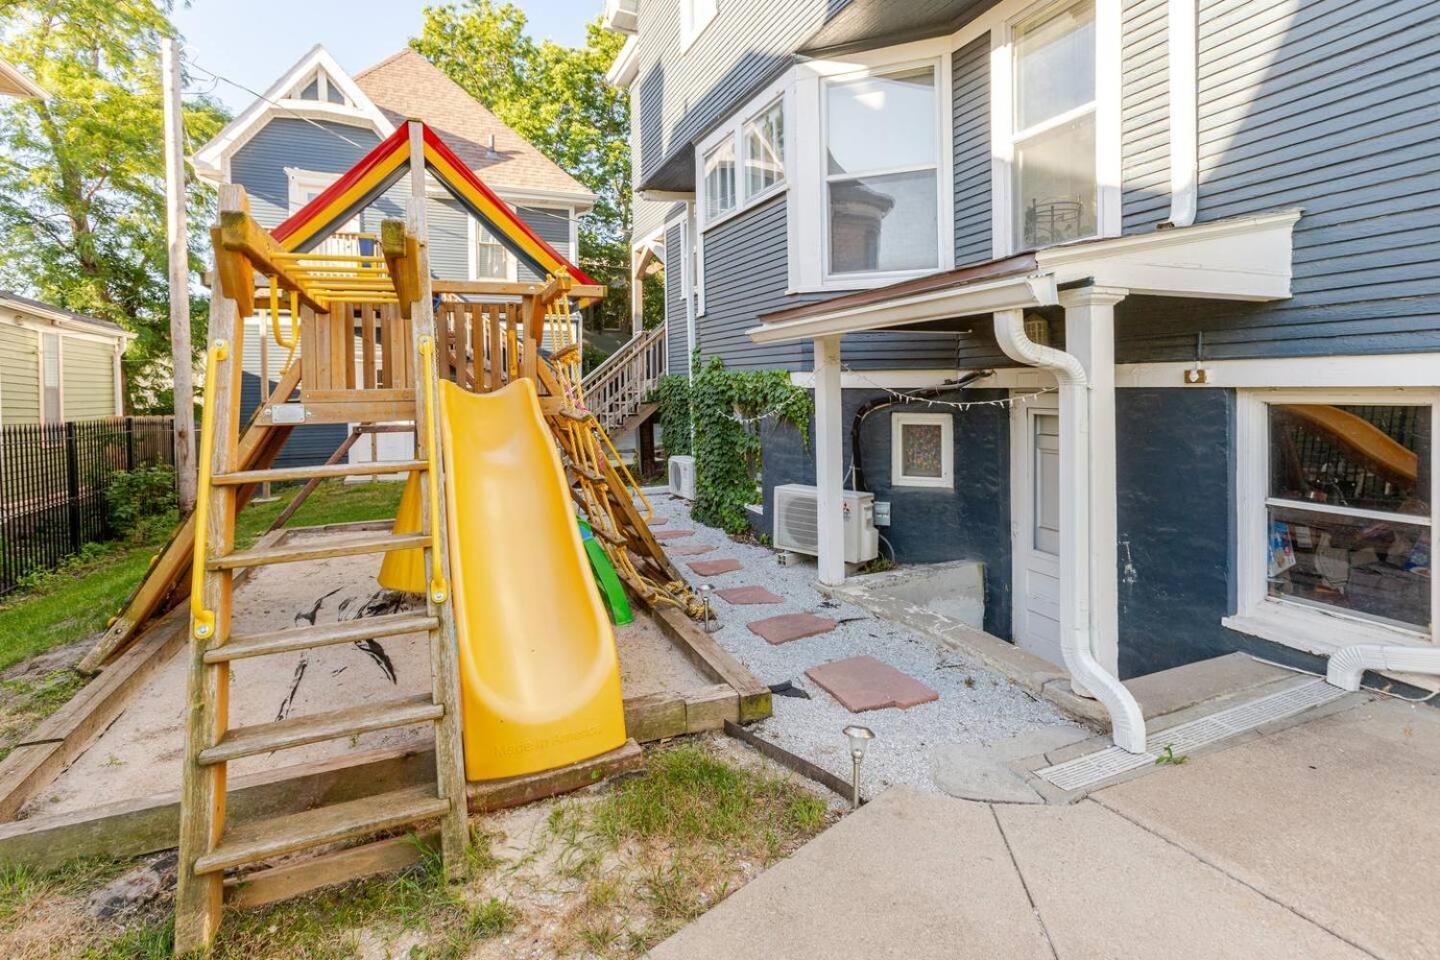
707,622
860,738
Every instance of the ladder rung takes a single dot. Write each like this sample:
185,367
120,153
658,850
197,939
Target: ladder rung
322,472
579,416
330,725
324,549
306,638
258,840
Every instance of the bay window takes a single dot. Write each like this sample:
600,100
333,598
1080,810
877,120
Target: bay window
882,168
764,143
1337,501
1055,192
720,179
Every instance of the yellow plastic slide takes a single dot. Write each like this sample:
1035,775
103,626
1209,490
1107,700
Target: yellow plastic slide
539,675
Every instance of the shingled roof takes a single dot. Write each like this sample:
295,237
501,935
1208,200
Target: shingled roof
407,85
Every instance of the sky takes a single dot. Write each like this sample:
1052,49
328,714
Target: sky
254,41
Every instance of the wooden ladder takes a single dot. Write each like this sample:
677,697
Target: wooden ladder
209,846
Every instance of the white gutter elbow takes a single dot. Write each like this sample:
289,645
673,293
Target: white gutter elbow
1127,722
1348,665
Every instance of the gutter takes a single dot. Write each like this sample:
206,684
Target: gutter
1086,673
1348,665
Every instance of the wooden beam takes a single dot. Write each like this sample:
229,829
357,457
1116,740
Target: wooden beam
715,662
402,259
502,288
239,233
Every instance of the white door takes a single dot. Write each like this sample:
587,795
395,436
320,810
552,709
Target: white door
1035,526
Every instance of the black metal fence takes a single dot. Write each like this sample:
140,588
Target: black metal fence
53,479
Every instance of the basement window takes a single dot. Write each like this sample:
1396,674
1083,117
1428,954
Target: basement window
1340,515
922,450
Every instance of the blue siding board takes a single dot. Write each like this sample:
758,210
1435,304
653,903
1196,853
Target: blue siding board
971,120
677,357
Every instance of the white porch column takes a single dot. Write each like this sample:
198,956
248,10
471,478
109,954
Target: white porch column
829,461
1090,338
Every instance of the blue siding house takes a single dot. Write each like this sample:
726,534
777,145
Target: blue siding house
316,121
1161,275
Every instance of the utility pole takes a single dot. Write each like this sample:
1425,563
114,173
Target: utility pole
177,247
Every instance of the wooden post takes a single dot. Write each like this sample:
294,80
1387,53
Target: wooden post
444,666
177,248
198,897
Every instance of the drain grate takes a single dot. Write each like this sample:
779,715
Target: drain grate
1104,764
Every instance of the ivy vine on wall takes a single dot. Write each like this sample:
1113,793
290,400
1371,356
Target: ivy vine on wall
727,408
672,393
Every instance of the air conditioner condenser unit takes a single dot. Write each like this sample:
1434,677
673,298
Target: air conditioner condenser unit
682,477
796,527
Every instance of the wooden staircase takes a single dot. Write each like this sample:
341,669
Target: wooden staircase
616,390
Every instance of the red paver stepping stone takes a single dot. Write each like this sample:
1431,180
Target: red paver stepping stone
790,626
710,568
670,534
864,683
657,521
688,550
738,595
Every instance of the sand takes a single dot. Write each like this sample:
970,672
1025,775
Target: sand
139,754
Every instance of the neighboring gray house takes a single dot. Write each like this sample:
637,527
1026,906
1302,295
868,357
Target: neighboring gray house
1216,219
315,122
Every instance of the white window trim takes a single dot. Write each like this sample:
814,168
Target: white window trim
741,171
472,239
59,374
1108,48
898,422
687,280
702,195
690,31
1304,627
733,130
805,171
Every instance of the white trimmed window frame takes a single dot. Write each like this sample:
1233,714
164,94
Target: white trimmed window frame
1311,628
1001,23
472,241
807,220
695,16
902,419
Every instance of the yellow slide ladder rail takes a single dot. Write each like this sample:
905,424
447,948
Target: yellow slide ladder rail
202,621
293,340
439,590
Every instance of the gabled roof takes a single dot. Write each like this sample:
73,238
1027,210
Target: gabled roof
407,85
382,167
380,99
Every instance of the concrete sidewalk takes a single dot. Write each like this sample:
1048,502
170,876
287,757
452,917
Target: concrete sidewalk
1317,839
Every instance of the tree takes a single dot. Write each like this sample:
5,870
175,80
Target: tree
556,97
82,191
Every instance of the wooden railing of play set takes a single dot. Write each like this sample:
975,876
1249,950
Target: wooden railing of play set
616,390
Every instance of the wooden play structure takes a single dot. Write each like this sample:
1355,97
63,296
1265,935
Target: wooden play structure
381,345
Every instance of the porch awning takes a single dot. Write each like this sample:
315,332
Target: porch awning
1243,258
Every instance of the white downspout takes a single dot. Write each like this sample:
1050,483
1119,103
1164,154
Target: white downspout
1349,664
1126,720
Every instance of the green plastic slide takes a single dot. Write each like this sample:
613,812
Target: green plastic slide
611,589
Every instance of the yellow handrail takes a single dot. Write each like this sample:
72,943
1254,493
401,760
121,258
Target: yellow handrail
438,589
294,340
202,621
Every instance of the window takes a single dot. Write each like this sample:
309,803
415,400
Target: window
50,411
695,16
1338,501
720,179
881,172
490,262
764,142
1055,190
922,450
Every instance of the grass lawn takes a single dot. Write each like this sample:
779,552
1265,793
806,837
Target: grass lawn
75,602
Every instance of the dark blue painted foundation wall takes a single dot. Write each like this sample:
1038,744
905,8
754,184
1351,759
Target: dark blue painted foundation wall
971,522
1175,462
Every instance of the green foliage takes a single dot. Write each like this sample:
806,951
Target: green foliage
727,409
672,393
1168,756
555,97
82,174
133,495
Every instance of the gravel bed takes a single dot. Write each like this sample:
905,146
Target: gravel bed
976,706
